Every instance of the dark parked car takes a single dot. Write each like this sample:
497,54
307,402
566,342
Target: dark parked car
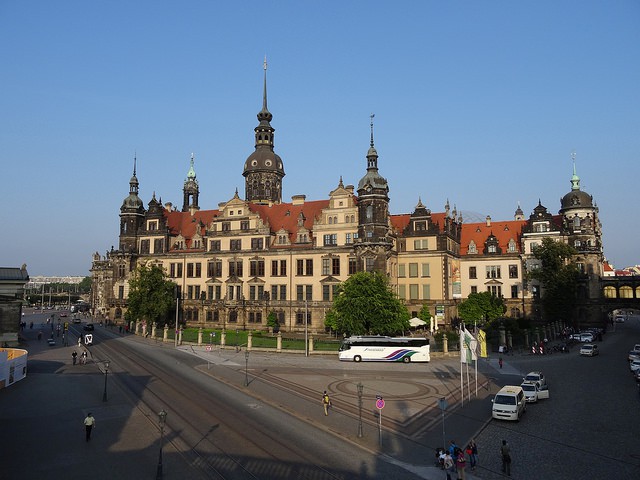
88,327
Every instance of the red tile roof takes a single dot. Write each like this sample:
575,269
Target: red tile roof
284,215
479,232
401,221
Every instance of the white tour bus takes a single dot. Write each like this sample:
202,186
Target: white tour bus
384,349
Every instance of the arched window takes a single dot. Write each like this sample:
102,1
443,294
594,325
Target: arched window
576,222
610,292
626,292
330,220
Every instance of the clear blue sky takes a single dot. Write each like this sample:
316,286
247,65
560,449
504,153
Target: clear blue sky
477,102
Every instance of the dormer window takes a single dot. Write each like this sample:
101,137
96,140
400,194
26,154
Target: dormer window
492,249
153,226
512,246
472,247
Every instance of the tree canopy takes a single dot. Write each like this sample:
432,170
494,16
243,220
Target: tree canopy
365,305
151,295
481,307
558,276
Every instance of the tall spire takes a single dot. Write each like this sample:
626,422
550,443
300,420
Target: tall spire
372,154
264,114
133,183
575,180
371,124
191,174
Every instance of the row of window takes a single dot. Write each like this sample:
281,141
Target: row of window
252,317
413,270
256,292
512,247
497,290
304,267
494,271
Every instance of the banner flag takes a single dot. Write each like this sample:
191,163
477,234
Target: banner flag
463,347
482,341
472,345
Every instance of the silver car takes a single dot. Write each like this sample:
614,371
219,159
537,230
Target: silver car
589,350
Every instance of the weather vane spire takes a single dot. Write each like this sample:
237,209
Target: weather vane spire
371,117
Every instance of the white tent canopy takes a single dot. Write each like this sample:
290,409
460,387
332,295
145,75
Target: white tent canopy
417,322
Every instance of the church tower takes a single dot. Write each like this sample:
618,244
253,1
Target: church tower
132,214
263,170
373,244
190,190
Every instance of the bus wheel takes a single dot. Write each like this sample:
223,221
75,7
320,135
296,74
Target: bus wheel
406,359
357,358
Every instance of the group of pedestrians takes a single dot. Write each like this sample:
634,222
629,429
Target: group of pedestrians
454,459
83,357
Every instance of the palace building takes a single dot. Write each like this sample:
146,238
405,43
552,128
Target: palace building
256,254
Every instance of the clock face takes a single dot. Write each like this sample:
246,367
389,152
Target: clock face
267,163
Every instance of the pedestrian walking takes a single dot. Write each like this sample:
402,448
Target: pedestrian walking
449,465
89,424
74,356
39,335
461,464
505,452
326,402
83,357
472,452
500,362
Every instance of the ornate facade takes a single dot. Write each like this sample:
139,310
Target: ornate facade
234,264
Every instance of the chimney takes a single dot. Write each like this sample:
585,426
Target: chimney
298,199
488,220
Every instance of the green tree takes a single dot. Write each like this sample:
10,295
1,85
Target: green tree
424,314
272,321
151,295
481,307
85,285
364,304
558,277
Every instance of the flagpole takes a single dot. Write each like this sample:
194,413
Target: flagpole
460,334
475,332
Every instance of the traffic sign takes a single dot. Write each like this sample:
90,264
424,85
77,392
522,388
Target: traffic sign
379,403
208,348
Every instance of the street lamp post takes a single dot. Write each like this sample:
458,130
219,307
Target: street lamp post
246,368
162,418
106,372
360,390
306,328
442,403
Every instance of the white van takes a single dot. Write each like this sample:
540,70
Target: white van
509,403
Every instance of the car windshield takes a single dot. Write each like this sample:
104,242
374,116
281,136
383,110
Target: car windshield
532,378
529,388
587,347
505,399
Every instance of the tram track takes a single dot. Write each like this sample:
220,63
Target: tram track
220,439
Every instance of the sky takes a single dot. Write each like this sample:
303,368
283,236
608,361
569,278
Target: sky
479,103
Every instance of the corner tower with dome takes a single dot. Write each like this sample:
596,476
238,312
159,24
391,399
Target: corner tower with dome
583,230
374,242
